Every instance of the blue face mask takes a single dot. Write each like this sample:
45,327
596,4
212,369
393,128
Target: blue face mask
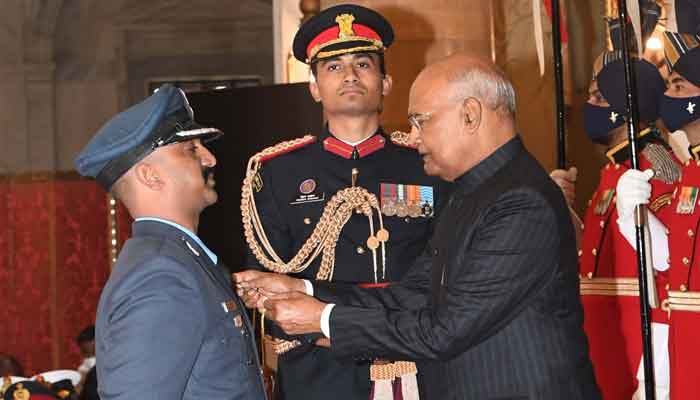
599,121
677,112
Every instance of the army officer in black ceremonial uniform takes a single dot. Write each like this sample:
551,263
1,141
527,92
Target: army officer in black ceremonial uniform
344,46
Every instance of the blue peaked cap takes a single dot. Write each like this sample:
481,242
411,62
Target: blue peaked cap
163,118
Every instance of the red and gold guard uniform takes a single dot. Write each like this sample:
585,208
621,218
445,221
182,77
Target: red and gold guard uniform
684,283
608,270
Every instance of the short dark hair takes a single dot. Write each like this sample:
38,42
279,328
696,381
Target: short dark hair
86,335
380,58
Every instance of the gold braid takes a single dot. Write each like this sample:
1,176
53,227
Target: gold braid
325,235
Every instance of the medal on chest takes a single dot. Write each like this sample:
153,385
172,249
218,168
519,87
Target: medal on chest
687,198
406,200
603,203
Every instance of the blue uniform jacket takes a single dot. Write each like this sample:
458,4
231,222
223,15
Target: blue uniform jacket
169,326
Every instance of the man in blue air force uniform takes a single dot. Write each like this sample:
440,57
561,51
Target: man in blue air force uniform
168,324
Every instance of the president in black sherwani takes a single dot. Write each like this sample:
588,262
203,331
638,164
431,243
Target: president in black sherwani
492,307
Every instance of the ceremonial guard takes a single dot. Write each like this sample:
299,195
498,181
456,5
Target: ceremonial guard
607,256
351,205
680,112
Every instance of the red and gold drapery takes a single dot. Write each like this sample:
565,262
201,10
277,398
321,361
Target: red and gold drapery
54,260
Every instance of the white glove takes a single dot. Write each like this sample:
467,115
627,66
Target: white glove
633,189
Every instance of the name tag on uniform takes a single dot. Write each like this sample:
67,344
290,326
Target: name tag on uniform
687,198
308,193
406,200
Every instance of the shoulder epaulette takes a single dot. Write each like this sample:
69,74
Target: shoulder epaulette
402,139
284,148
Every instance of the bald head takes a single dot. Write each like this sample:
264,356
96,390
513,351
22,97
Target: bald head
465,76
462,109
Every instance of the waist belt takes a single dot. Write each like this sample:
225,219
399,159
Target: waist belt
384,370
369,285
681,301
610,286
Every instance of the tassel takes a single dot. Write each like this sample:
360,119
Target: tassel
409,387
383,390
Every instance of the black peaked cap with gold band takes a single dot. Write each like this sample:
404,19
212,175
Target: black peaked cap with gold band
342,29
682,48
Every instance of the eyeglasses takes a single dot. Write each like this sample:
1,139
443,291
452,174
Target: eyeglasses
416,120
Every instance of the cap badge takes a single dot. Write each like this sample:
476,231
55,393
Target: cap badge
344,22
21,393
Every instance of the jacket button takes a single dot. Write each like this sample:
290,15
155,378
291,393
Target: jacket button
690,233
686,261
360,250
580,253
602,224
595,252
307,221
684,288
435,252
249,361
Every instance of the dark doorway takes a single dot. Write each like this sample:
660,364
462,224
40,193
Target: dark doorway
252,119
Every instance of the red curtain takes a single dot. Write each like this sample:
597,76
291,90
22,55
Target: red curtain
55,244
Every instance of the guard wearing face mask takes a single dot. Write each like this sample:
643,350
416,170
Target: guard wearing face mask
680,112
607,261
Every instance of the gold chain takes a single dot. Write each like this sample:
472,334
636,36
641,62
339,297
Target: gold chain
324,237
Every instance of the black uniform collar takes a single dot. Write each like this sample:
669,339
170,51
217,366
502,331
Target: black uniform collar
489,166
370,145
620,153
